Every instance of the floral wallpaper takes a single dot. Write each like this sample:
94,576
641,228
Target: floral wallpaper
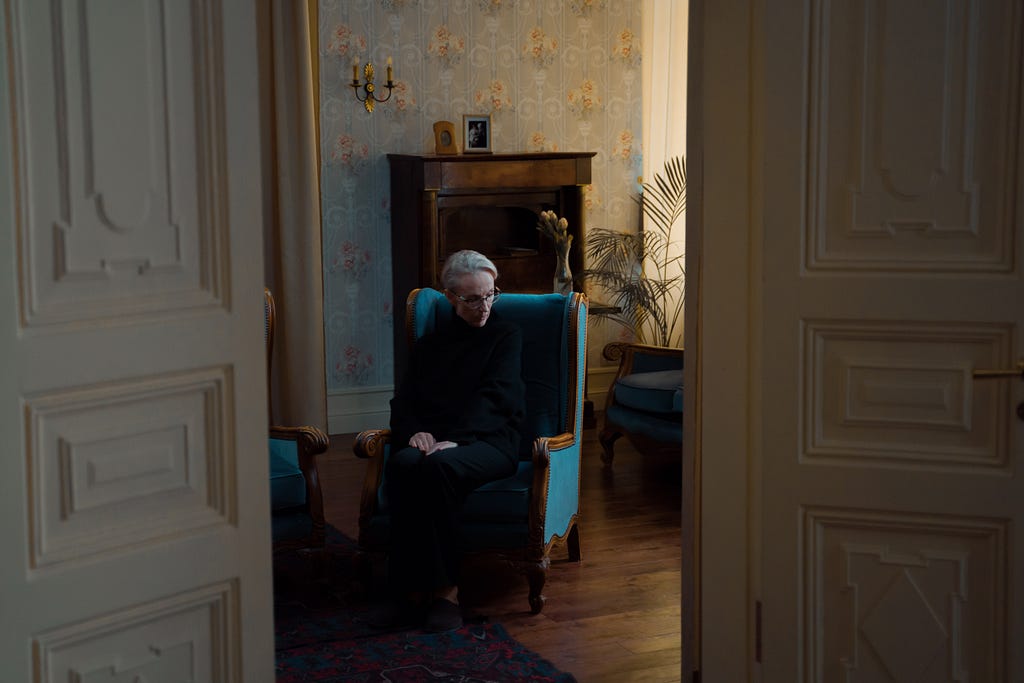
553,75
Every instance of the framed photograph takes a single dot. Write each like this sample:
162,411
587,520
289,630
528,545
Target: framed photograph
476,133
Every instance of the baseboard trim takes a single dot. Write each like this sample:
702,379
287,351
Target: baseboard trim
599,381
353,410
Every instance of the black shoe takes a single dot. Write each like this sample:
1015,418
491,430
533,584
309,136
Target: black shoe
443,615
396,614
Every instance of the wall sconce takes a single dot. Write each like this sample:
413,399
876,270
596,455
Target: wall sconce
369,90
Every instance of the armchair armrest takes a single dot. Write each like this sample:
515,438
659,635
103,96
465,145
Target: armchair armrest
554,502
544,446
311,441
371,445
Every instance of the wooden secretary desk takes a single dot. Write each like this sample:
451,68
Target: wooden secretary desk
490,203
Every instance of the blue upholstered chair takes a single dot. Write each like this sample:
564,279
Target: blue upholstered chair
522,517
296,500
645,401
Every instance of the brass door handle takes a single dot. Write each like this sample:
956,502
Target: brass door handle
996,374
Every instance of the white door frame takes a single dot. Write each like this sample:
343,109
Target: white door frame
720,221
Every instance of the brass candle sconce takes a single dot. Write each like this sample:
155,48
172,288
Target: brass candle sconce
367,92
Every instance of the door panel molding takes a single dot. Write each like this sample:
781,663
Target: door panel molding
184,637
912,137
118,467
901,394
906,596
136,222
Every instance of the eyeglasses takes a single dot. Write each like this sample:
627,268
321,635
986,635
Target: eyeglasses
478,301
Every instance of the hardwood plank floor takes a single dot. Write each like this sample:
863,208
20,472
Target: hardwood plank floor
615,616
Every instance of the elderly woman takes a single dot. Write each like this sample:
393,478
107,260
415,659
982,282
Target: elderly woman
454,421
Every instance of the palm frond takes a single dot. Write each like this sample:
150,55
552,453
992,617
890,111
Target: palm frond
638,270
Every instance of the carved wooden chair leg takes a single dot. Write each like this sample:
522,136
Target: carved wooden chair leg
607,439
536,575
574,543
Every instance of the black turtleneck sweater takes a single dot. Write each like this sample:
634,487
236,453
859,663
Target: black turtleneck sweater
463,384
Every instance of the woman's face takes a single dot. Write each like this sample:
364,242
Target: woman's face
478,289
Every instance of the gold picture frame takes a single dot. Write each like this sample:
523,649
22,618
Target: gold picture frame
444,138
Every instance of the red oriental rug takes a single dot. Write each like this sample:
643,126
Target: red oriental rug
322,634
480,652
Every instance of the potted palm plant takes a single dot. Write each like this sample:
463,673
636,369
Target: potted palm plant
642,272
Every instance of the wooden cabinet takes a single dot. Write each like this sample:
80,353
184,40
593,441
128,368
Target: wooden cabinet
443,203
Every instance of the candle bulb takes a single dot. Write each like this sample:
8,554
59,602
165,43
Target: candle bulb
390,72
355,69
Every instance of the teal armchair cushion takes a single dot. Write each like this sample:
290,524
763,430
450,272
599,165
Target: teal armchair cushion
651,392
287,485
505,501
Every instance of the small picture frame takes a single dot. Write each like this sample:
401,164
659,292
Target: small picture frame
476,133
444,138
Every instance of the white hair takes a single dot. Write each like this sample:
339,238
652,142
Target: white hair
465,262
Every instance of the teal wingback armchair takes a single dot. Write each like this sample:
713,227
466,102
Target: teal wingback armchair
522,517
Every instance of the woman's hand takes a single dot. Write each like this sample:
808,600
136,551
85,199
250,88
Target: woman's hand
424,441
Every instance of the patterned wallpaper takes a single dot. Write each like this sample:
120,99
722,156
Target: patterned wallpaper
553,75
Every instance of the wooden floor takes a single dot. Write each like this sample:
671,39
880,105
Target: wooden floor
613,617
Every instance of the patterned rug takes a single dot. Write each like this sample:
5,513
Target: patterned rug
322,633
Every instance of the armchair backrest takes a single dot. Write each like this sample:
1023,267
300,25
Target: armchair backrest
554,353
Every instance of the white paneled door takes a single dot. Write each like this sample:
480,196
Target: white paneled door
133,477
885,231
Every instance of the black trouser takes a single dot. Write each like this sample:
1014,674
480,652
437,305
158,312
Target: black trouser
425,494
